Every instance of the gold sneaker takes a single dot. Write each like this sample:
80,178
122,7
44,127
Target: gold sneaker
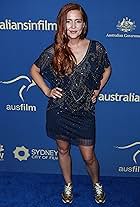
99,193
67,195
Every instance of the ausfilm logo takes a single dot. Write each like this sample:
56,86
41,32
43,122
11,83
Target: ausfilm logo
29,25
134,156
22,153
125,26
21,91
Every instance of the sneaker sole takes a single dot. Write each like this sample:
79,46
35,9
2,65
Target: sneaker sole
67,201
100,202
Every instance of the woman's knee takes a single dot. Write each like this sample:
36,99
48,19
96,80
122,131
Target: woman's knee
63,149
88,154
89,160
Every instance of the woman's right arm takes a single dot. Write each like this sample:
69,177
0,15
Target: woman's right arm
38,79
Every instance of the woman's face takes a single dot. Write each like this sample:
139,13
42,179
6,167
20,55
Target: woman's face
74,24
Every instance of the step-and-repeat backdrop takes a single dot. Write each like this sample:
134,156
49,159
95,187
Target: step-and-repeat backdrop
27,28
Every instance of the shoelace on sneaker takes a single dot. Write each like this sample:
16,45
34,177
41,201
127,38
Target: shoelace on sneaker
98,188
68,189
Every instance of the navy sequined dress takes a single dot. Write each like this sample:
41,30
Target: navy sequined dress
72,117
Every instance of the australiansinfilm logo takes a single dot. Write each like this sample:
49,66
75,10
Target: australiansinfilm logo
125,26
29,25
135,156
21,92
22,153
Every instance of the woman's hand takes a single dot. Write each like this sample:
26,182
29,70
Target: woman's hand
95,95
55,93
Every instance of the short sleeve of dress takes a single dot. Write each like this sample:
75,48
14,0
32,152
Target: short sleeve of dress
103,59
102,62
44,60
106,62
41,60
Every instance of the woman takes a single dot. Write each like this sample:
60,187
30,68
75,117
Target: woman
77,69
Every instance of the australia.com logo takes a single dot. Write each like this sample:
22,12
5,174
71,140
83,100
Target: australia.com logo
134,157
126,26
117,97
21,92
22,153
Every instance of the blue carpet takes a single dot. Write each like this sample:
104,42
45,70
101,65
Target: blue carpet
43,190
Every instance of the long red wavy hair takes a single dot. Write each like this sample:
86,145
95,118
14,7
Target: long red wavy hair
64,60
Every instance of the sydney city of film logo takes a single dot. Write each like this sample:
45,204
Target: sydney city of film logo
24,88
22,153
135,155
125,26
1,152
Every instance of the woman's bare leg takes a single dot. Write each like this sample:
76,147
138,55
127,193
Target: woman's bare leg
91,162
65,159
